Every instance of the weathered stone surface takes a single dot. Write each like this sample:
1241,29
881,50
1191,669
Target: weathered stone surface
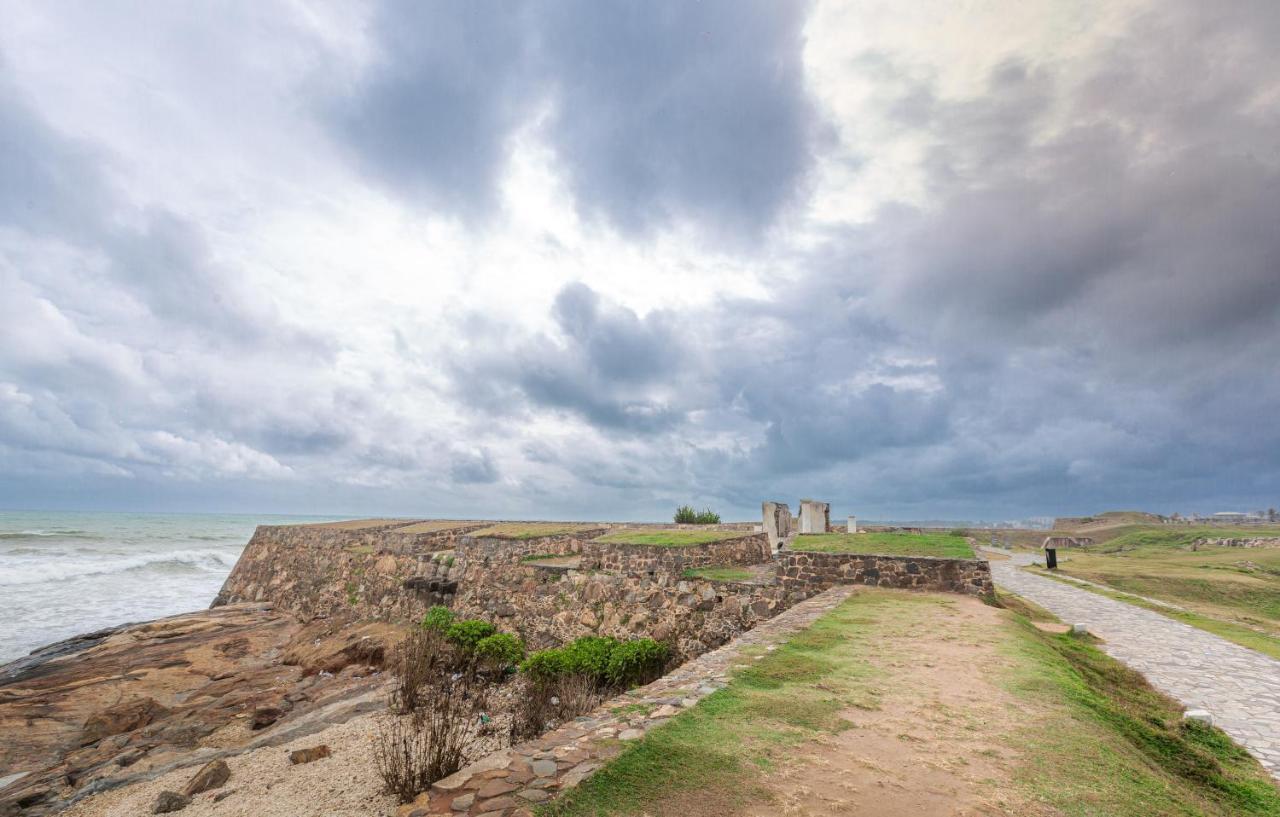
170,801
123,717
309,755
264,716
212,775
810,571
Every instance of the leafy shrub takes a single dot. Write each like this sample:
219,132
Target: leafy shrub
686,515
500,650
632,663
544,665
437,618
469,632
589,656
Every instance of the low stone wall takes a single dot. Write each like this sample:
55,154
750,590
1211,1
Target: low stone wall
811,572
548,607
1261,542
312,570
484,552
742,550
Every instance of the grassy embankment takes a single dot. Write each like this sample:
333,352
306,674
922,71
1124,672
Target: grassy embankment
719,573
670,538
1089,737
1234,592
531,530
944,545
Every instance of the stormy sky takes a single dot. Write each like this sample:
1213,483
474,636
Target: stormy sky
582,259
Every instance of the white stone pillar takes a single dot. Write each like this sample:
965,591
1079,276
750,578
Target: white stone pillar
853,524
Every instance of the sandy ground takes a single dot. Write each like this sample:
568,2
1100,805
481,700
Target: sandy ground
264,784
931,747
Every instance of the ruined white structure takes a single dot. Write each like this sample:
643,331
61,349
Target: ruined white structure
853,524
815,516
777,523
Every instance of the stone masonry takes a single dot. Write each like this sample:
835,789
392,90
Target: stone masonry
749,549
317,570
814,571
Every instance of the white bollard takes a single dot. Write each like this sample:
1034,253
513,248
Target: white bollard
1080,629
1199,716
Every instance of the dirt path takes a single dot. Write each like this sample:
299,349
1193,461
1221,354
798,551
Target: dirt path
929,739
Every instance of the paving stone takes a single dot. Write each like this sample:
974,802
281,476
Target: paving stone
544,768
1199,669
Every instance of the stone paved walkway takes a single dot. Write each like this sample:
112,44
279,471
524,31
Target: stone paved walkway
1239,686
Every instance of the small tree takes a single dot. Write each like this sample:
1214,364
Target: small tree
686,515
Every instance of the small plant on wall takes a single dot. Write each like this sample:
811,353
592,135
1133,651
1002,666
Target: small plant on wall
686,515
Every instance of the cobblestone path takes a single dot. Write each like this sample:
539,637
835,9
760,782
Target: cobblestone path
1239,686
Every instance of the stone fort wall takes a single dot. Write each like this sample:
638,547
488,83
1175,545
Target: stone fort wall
742,550
813,572
371,572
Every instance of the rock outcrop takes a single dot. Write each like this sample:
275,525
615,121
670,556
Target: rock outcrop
124,704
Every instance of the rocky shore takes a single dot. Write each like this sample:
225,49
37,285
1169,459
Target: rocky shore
137,702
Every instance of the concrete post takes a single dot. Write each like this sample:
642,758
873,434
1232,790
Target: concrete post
853,524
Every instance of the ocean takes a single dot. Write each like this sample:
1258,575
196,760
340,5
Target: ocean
62,574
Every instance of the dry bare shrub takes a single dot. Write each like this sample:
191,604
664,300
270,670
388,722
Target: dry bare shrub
401,755
440,696
419,660
544,703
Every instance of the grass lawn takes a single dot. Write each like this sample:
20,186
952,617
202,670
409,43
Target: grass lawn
943,545
1076,733
433,525
531,530
1236,585
716,573
670,538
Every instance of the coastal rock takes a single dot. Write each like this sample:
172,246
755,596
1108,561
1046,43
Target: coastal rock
211,776
115,706
124,717
170,801
264,716
308,755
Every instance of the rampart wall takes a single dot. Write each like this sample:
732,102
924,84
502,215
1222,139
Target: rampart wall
743,550
809,572
376,572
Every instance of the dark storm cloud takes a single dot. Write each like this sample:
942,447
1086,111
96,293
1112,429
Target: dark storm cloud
448,86
660,111
606,364
1085,312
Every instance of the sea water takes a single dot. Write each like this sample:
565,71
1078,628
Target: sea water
63,574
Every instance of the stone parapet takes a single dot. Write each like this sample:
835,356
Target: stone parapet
808,571
741,550
314,570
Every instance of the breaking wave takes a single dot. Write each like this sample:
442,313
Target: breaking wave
58,568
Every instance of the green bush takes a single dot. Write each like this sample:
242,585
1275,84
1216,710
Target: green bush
469,632
437,618
686,515
544,665
500,650
589,655
635,662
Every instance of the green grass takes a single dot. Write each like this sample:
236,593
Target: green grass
1236,633
530,530
1124,751
715,751
720,573
944,545
670,538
